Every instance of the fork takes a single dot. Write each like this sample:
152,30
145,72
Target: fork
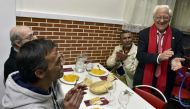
76,81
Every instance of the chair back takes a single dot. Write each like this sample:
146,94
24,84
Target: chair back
151,98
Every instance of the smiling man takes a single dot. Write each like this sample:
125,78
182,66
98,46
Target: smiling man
159,52
35,85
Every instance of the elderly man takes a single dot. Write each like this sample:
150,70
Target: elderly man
123,58
34,86
18,36
159,52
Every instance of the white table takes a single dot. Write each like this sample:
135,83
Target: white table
135,101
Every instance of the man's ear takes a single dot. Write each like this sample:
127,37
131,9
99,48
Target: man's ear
18,43
40,73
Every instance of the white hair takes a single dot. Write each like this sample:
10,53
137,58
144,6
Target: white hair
162,6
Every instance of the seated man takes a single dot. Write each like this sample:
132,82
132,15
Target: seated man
123,58
35,85
18,36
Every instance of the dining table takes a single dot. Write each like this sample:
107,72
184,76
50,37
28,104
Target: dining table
134,101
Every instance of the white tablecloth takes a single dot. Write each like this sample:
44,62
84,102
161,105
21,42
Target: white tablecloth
135,101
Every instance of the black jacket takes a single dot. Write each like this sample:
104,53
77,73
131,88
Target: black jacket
10,64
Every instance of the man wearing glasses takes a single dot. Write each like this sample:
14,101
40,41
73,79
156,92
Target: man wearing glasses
18,36
159,52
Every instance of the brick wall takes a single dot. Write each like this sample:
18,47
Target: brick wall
97,40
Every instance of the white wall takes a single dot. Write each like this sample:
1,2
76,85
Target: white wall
110,10
8,20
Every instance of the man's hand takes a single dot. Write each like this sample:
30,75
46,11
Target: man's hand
176,63
166,55
74,97
120,56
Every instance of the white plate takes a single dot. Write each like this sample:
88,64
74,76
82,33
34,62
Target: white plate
81,78
105,74
96,106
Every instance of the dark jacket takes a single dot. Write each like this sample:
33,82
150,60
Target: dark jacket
10,64
144,57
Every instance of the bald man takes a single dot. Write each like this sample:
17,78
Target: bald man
18,36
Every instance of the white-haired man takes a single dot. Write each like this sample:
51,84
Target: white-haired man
18,36
159,52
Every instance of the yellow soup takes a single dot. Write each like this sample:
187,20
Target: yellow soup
98,71
70,77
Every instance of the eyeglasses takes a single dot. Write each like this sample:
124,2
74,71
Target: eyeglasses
159,18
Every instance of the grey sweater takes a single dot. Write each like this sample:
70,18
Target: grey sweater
20,97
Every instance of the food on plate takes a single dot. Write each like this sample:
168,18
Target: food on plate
70,77
96,71
95,101
87,81
100,87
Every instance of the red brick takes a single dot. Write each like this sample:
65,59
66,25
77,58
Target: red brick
104,28
98,38
89,23
53,21
110,25
65,37
65,30
84,26
92,41
103,34
75,52
70,48
97,45
101,48
94,27
58,33
82,34
52,29
23,19
64,45
77,30
71,34
107,38
66,21
19,23
72,26
46,24
59,25
87,45
71,41
89,31
38,28
102,41
76,45
99,24
93,34
38,20
81,48
88,38
53,37
59,41
108,31
40,37
30,24
99,31
82,41
76,37
106,44
45,33
92,48
78,22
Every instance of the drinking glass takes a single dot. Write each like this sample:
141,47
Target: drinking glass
123,99
110,96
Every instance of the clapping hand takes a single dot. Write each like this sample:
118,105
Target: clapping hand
74,97
176,63
166,55
120,56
